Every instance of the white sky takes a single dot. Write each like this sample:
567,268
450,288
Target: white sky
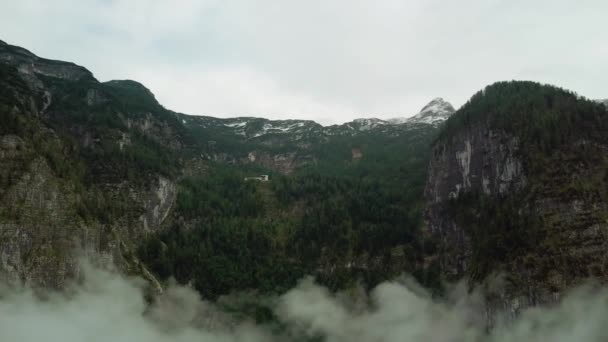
325,60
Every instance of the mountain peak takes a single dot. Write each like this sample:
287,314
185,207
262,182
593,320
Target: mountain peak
438,105
434,112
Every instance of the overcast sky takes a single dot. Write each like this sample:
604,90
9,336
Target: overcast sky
326,60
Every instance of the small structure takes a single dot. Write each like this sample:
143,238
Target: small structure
260,178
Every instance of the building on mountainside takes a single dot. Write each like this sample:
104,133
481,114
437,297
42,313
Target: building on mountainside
261,178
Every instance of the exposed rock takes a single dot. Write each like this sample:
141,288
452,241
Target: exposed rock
31,65
477,159
39,230
356,153
284,163
569,210
158,203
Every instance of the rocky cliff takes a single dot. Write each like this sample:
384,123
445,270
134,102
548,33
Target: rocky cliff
64,190
517,185
477,159
97,167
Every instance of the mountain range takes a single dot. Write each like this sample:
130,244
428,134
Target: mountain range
513,182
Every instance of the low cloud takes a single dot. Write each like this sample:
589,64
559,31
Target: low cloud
105,306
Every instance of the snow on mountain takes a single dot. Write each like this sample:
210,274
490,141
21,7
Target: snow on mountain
367,124
435,112
397,121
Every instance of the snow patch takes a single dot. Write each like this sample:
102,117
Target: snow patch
236,124
435,112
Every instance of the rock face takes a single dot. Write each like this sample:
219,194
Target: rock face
59,198
30,64
537,211
42,233
477,159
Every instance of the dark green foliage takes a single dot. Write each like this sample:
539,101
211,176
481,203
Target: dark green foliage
267,236
393,158
141,157
226,195
131,95
332,219
12,85
346,215
558,133
222,256
539,114
500,230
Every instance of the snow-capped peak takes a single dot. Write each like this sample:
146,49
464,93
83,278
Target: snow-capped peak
436,111
438,106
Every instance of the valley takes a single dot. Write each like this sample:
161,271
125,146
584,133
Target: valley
512,184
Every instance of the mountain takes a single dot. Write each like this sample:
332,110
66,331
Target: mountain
102,168
517,185
435,112
86,166
513,182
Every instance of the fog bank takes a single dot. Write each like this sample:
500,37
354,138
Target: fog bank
105,306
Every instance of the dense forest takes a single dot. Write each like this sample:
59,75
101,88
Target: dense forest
166,192
235,235
341,219
539,114
561,136
345,222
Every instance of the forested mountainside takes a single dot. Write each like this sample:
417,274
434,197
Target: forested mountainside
514,182
518,183
102,169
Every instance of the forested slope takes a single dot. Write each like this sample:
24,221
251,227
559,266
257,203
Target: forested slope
103,169
518,184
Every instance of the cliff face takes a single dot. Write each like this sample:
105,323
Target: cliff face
502,201
43,230
31,65
62,190
477,159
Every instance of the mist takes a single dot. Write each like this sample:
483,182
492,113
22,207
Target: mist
106,306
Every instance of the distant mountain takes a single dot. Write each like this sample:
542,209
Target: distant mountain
435,112
432,114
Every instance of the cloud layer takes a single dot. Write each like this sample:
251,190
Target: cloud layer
105,306
333,60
